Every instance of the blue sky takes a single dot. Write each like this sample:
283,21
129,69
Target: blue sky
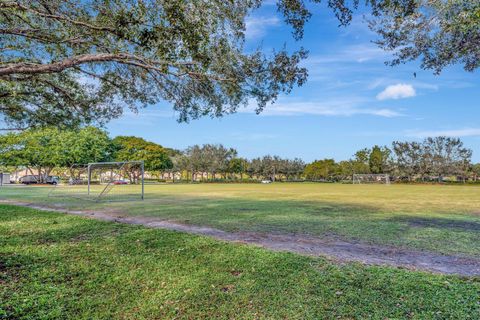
351,100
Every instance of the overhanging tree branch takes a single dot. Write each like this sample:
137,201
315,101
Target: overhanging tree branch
33,68
189,53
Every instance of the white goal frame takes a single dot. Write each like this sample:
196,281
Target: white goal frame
110,183
370,178
84,184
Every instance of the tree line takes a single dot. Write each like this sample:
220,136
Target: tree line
430,159
47,150
43,151
214,161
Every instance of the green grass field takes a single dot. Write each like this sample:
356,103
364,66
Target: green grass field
443,219
56,266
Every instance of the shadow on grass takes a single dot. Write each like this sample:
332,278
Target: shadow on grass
146,273
439,223
315,218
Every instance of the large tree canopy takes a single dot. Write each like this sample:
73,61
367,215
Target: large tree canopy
67,62
438,32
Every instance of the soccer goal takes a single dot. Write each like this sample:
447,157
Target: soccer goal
371,178
103,181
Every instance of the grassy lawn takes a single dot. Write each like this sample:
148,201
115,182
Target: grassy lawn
444,219
56,266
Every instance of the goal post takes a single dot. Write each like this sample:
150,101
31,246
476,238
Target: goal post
116,175
107,181
371,179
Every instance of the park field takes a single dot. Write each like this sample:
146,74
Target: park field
435,218
57,266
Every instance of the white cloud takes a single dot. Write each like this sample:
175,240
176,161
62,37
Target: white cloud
335,107
256,27
465,132
387,113
397,91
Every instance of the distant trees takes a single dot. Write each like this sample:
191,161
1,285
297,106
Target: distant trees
219,159
375,160
214,161
360,163
325,169
274,168
476,171
209,160
431,159
130,148
42,150
293,169
436,157
409,160
39,151
237,166
379,160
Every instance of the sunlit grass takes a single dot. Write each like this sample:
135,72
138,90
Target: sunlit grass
437,218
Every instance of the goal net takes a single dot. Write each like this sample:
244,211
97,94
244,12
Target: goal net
371,178
103,181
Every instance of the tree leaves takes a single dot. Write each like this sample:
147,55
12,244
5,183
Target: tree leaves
71,62
439,33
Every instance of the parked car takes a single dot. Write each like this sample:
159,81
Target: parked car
32,179
53,180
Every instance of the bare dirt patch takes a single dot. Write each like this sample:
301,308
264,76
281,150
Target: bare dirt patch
330,246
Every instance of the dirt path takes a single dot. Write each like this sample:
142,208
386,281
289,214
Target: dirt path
331,247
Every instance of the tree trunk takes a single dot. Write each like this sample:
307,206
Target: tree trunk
47,173
31,171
